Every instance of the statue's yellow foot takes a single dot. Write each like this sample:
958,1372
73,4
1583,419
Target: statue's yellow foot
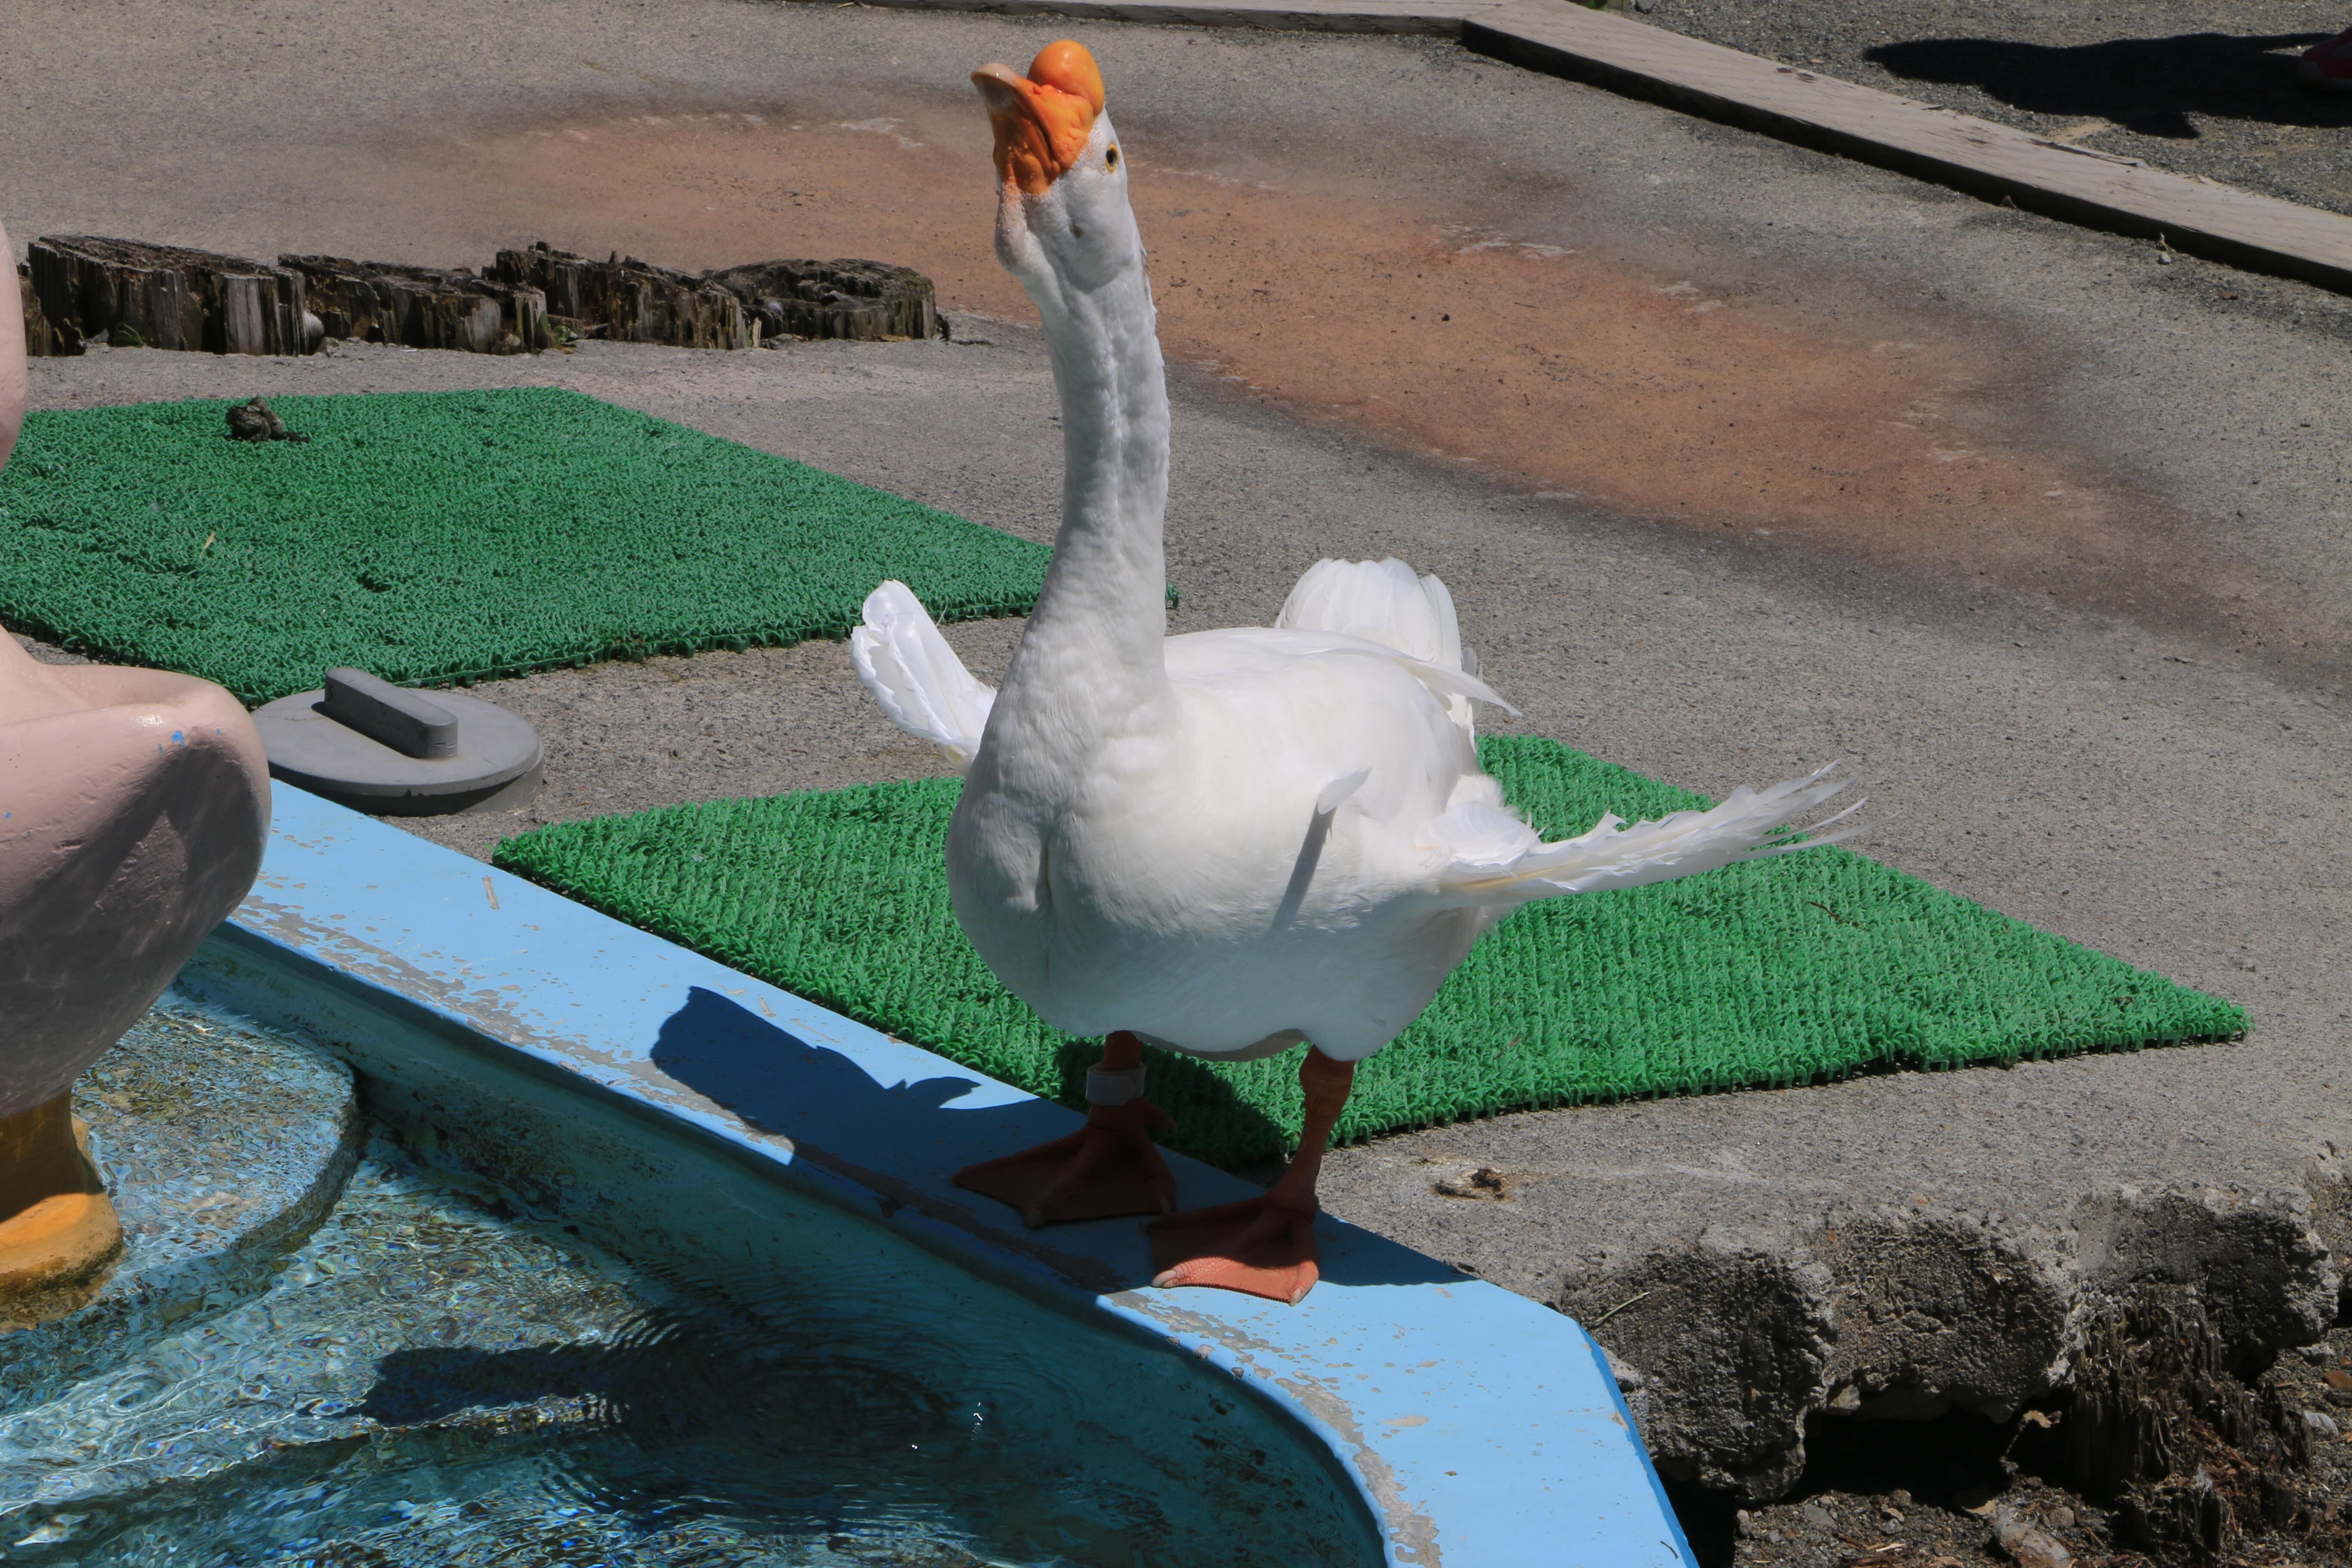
58,1229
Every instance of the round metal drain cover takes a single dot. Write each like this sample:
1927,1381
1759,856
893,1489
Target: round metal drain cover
384,749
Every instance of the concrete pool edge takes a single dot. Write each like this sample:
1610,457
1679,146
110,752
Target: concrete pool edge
1478,1426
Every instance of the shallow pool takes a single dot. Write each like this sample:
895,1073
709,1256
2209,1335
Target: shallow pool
429,1376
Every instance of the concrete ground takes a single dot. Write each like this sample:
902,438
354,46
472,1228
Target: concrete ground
2202,86
1737,456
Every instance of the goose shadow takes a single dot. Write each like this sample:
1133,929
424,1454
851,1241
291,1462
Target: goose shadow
670,1377
915,1135
2147,86
700,1410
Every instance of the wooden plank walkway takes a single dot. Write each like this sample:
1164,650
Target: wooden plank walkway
1997,162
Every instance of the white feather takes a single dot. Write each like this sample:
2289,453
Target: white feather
1496,858
1339,790
1383,602
918,681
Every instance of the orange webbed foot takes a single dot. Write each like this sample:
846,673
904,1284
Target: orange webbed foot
1108,1168
1259,1246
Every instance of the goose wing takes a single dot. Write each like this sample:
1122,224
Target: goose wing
918,681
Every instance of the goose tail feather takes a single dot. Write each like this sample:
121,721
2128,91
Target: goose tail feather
918,681
1383,602
1496,859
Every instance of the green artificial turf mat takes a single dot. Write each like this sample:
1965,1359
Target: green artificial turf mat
448,536
1785,971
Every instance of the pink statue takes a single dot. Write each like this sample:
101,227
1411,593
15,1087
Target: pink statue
132,807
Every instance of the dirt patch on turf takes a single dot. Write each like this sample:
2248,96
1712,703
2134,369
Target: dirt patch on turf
1437,328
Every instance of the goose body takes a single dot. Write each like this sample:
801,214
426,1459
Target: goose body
1249,862
1292,839
1228,842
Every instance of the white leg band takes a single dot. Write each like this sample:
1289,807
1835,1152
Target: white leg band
1105,1087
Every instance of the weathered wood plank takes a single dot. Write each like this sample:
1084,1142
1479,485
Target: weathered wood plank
422,307
167,297
41,341
2074,183
865,300
632,301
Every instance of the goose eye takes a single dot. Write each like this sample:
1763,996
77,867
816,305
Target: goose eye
1110,158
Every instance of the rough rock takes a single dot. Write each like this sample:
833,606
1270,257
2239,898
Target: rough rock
1938,1312
1898,1316
2026,1546
255,420
1743,1334
1733,1346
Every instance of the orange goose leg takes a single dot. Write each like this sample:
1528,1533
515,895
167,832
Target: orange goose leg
1261,1246
1107,1168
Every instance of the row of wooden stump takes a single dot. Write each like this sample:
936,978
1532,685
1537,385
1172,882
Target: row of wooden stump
80,288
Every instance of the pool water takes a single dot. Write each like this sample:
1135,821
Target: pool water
430,1377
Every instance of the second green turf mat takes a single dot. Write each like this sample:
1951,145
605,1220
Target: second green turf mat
1779,972
451,536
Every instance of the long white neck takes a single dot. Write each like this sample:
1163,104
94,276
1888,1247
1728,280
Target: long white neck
1091,664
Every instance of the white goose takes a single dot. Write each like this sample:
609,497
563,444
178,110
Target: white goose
1230,842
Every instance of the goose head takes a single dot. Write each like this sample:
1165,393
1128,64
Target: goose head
1063,222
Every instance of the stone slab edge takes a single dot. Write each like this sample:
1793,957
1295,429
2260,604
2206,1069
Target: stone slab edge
2078,184
1480,1428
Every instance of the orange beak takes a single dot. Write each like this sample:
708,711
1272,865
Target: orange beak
1042,120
